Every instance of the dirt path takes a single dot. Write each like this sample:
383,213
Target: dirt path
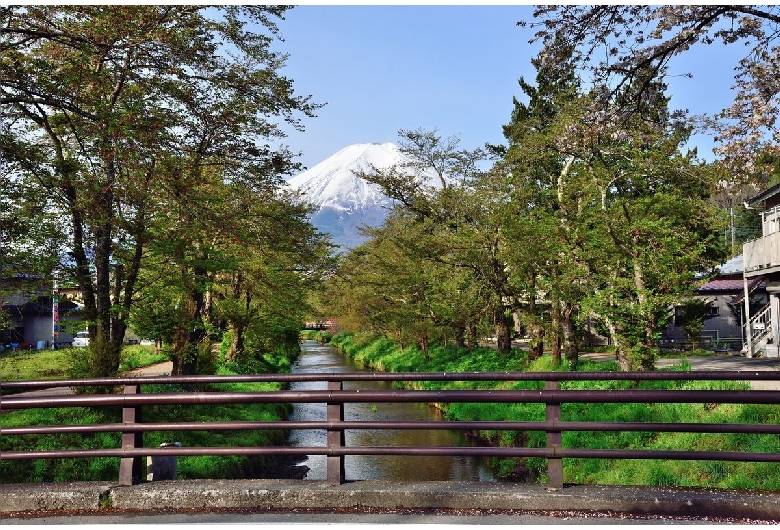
155,369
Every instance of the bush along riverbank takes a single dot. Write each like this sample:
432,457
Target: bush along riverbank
190,467
381,354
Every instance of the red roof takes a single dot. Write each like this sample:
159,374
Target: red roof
725,285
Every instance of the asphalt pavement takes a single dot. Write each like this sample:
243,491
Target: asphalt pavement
715,362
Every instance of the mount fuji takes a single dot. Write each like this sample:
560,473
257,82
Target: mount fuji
344,201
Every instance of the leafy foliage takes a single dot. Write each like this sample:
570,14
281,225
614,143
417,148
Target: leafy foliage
626,48
139,126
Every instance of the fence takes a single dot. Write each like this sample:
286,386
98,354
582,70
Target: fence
335,398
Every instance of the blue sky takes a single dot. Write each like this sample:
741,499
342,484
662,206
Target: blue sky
453,68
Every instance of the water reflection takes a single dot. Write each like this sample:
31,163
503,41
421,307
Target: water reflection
324,358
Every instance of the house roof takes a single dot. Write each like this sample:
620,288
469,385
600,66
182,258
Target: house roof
722,285
735,265
42,306
764,195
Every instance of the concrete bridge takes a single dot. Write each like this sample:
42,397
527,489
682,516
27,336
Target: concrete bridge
321,325
338,495
18,501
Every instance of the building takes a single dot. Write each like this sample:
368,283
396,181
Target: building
32,321
724,325
762,261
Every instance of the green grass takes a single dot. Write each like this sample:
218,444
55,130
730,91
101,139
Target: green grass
37,365
381,354
201,467
59,470
34,365
54,364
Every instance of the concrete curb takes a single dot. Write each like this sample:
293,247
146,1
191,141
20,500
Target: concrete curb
363,495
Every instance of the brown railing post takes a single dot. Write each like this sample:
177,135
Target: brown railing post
554,465
130,468
336,439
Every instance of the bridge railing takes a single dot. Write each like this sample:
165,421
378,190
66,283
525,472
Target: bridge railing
336,398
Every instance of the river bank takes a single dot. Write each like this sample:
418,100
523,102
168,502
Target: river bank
383,355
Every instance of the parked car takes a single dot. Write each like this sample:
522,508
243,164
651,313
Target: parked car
81,340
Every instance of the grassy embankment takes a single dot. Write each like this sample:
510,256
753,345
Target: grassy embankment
382,354
54,364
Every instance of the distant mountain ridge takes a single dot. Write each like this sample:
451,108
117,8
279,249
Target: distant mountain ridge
344,200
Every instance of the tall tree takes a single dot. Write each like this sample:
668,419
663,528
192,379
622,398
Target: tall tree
108,109
454,216
619,215
649,224
539,207
628,46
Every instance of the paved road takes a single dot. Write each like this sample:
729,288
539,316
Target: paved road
155,369
362,519
714,362
735,363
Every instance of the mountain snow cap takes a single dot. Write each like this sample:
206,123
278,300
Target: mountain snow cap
333,183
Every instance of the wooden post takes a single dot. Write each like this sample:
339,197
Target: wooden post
130,467
554,465
336,439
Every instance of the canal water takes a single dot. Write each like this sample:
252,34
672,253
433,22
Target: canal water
316,357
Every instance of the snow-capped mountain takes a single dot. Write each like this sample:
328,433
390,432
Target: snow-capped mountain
344,200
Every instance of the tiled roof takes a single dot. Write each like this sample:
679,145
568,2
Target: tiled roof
722,285
730,285
764,195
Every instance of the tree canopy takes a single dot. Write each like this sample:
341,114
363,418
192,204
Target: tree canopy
130,122
630,46
577,225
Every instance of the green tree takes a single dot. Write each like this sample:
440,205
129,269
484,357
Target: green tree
624,48
107,109
453,219
693,312
619,215
653,226
263,300
540,207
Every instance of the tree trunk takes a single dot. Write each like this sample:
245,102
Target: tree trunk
106,351
555,335
189,340
622,356
570,342
503,331
646,358
472,341
236,351
536,349
423,344
535,327
460,337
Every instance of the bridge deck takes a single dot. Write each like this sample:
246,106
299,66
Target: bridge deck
364,495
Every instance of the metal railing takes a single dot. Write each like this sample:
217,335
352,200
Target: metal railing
760,324
336,398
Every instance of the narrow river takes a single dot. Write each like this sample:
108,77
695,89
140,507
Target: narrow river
317,357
